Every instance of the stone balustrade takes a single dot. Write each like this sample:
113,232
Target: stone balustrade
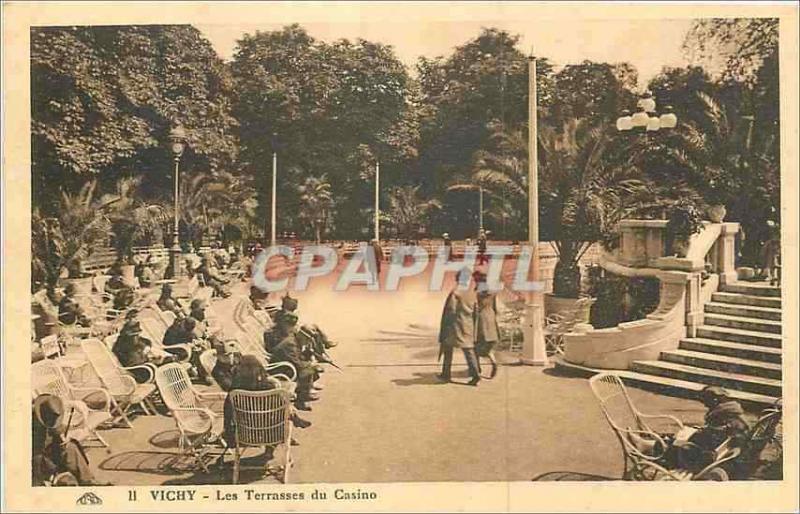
686,285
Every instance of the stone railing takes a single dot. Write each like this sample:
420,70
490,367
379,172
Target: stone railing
685,288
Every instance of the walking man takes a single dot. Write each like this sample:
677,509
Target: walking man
457,328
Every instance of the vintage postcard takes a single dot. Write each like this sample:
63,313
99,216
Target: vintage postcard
402,256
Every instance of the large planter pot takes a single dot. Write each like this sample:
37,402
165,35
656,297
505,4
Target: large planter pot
83,286
566,306
716,213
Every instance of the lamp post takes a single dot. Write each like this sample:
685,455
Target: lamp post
274,203
377,234
480,208
177,140
534,352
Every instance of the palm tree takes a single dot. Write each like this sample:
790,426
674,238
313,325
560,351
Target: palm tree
63,242
502,172
731,163
209,201
408,212
132,219
316,204
584,192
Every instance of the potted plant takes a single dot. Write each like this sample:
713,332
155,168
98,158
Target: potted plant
683,221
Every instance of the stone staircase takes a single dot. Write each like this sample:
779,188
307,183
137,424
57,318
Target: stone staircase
738,348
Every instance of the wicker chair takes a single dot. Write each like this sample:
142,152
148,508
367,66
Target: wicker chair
125,392
261,419
198,416
84,420
154,330
630,425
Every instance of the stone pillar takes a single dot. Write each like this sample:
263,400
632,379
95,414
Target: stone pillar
726,253
694,304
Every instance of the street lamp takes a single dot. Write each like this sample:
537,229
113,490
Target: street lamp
177,141
646,117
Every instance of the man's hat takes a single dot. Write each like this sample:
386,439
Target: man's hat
166,288
288,303
131,328
197,304
131,314
70,289
48,409
446,235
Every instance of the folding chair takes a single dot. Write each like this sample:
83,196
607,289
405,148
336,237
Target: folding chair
125,392
49,379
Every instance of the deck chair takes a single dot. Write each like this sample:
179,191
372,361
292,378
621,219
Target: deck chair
50,347
48,378
261,418
154,330
126,393
198,416
631,425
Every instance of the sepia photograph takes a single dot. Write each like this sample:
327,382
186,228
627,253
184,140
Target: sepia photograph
289,251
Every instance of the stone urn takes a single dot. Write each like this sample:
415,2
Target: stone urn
716,213
567,306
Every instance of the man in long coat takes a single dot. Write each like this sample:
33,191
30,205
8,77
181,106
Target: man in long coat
457,329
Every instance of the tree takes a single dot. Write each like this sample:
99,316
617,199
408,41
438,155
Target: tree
584,192
104,98
324,101
62,243
739,47
132,219
408,213
592,90
316,201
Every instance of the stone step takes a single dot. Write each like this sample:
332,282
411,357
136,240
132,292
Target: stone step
746,299
747,311
666,385
753,324
731,381
731,349
723,363
756,289
738,335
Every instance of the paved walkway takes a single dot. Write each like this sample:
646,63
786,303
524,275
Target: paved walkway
387,418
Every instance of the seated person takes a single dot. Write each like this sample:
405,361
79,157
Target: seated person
723,422
144,272
250,375
259,298
203,329
119,289
166,302
70,311
228,360
182,331
289,304
287,348
132,349
57,460
213,278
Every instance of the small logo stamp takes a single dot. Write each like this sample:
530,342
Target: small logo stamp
89,499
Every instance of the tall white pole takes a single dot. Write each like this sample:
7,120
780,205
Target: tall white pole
480,208
272,239
533,348
377,196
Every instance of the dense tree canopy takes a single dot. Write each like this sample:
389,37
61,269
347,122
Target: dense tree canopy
104,99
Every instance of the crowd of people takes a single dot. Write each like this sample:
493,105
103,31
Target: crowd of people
61,460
